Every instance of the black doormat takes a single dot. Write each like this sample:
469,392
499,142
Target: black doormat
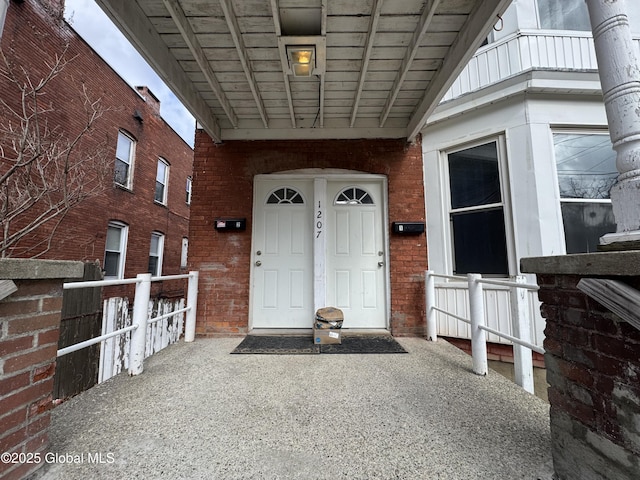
277,344
303,345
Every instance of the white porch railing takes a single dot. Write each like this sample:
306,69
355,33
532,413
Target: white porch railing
141,320
521,323
525,50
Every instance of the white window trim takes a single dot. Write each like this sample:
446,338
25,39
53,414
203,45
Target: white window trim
586,130
165,190
160,252
124,236
132,154
505,190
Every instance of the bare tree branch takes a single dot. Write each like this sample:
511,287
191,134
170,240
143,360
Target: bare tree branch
44,170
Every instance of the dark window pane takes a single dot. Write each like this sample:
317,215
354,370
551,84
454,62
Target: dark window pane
111,261
153,265
474,177
121,173
479,242
585,223
159,195
285,196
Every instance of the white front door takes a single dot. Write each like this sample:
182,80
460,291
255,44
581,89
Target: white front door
356,255
282,272
304,258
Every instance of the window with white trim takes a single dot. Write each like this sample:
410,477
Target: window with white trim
586,168
188,190
162,179
156,251
125,150
476,211
115,250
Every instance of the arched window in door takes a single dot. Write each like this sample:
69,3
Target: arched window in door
354,196
285,195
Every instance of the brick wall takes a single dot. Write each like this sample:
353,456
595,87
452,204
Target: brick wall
29,328
34,35
593,371
223,186
499,352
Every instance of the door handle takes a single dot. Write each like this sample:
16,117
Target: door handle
381,264
258,263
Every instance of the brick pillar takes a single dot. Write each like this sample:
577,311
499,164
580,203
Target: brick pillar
593,368
29,330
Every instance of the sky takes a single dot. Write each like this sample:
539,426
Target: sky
88,19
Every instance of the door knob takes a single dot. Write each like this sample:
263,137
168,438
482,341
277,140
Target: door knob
381,264
258,263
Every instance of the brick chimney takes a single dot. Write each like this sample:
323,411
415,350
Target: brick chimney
152,101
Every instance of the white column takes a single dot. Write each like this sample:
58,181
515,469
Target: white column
620,79
319,243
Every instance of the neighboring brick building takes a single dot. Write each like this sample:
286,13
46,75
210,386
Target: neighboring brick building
143,220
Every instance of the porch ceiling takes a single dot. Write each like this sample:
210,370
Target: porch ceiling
388,63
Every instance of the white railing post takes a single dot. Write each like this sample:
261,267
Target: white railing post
522,356
478,336
430,302
192,302
140,316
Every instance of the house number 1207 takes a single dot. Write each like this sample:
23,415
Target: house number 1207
319,220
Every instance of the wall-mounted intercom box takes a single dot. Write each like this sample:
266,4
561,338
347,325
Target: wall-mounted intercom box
230,224
408,228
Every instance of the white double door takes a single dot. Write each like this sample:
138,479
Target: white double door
318,241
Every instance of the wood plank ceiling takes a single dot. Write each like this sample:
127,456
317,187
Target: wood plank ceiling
381,67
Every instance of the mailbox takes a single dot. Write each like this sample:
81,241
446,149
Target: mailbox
408,228
230,224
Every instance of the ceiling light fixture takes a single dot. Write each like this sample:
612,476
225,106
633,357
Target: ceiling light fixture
301,60
303,57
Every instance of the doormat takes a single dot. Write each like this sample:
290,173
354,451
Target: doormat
303,345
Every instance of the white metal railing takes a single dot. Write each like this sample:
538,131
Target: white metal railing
141,319
521,322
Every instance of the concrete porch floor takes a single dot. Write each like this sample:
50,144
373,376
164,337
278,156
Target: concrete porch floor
198,412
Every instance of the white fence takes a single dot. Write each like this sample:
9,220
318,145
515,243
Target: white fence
520,335
114,352
151,327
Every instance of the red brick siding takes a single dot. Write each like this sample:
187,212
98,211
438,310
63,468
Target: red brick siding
29,322
223,186
31,38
